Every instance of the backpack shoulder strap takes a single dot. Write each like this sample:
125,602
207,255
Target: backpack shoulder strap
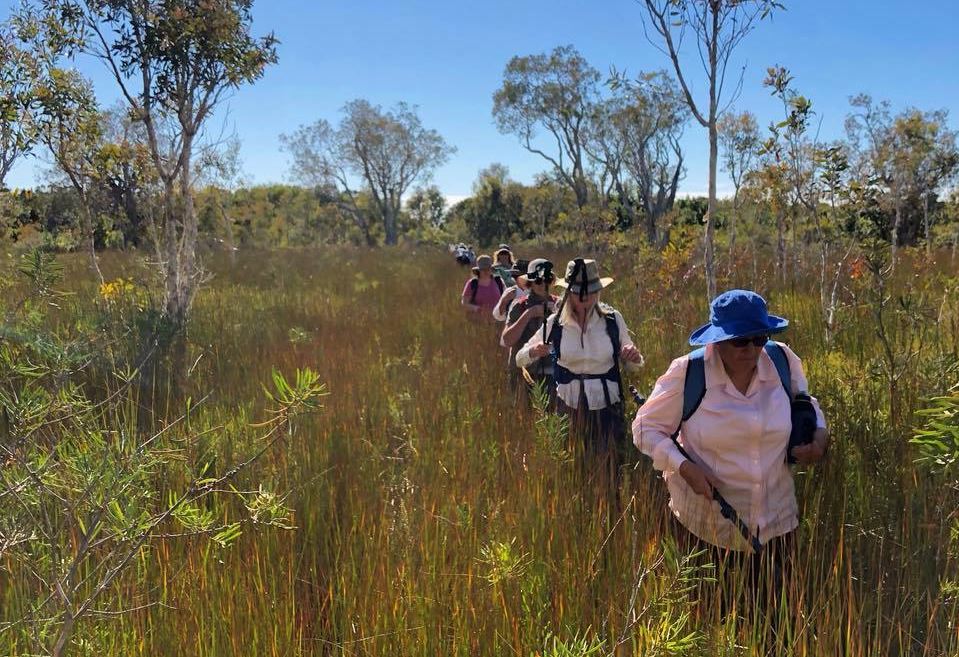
474,287
778,356
499,283
612,329
694,386
555,337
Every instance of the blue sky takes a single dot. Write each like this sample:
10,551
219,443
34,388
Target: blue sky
447,57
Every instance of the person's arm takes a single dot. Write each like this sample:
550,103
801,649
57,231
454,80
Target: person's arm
658,418
514,330
502,306
628,352
534,349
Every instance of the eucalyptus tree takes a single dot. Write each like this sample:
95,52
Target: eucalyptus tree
739,139
69,125
173,62
907,157
717,27
381,152
556,93
16,97
427,207
651,124
926,157
606,148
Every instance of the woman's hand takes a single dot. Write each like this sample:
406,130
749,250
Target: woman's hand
630,354
814,451
539,350
698,478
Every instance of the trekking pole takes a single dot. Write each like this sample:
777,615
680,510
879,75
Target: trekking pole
725,508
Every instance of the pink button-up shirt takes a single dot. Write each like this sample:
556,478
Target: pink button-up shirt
741,439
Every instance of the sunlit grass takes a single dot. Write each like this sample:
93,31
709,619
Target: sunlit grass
433,515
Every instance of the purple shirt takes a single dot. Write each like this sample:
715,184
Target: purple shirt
487,296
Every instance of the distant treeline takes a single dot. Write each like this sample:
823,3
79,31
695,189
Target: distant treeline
499,210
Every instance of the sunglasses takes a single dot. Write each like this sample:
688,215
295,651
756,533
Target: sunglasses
742,343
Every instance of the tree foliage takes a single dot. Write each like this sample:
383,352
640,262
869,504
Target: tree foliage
173,62
556,93
381,152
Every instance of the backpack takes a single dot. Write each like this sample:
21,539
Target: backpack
803,414
474,288
563,375
462,255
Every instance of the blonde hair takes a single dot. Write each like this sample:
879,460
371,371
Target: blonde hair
567,314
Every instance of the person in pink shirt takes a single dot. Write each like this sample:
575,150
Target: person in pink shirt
482,292
732,436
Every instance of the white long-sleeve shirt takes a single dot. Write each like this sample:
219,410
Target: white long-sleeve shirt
741,438
583,352
518,295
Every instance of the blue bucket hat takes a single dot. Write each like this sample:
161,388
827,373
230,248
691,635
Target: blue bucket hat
737,314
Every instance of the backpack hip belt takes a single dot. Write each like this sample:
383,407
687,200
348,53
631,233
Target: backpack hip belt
563,375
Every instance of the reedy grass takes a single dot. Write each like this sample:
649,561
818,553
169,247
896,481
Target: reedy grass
431,521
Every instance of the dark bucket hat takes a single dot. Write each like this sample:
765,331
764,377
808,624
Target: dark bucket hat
519,267
737,314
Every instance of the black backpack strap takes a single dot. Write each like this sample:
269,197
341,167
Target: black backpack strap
694,386
499,284
474,287
555,337
612,329
778,356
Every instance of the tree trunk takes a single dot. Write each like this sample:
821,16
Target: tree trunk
181,249
650,225
709,262
732,223
895,230
781,240
581,191
64,636
389,219
168,263
925,221
229,239
87,217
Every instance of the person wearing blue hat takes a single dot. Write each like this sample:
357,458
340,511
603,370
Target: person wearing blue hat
722,423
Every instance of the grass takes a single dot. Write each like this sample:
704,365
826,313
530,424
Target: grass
431,519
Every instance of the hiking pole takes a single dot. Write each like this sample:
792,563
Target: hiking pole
725,508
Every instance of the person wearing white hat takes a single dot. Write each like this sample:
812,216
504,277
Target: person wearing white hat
587,341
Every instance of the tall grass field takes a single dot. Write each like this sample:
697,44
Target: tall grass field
433,512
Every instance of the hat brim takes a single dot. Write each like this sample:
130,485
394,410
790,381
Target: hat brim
594,286
711,334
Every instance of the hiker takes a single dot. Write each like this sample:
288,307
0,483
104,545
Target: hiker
513,293
586,341
503,266
732,407
464,254
482,291
527,315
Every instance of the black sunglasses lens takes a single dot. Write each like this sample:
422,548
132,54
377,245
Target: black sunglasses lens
742,343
